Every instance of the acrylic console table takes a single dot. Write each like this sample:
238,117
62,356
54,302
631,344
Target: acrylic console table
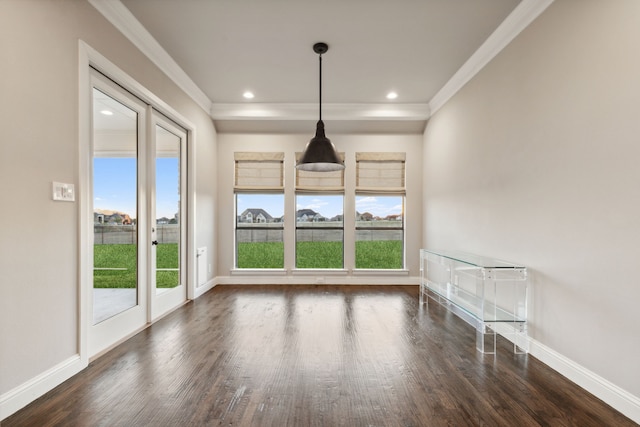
489,294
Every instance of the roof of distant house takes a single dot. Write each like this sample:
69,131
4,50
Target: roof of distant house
307,212
256,211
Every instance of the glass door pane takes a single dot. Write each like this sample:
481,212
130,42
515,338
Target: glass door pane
167,211
115,213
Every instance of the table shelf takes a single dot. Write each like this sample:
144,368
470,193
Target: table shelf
489,294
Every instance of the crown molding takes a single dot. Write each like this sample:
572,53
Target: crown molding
514,24
121,18
118,15
282,111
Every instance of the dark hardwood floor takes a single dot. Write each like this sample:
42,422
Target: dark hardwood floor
314,356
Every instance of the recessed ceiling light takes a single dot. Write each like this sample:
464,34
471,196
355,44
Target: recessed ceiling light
392,95
248,95
107,112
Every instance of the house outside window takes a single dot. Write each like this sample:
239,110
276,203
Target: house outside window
256,215
380,198
259,195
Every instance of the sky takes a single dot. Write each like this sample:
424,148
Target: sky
115,189
114,185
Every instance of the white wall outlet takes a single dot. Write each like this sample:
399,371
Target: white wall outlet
64,192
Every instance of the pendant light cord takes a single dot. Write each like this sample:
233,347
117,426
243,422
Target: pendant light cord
320,104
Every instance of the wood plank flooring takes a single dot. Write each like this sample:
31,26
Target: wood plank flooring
314,356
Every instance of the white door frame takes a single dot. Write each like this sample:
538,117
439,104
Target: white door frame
88,58
104,334
161,303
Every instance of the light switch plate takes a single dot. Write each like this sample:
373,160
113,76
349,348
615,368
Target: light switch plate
64,192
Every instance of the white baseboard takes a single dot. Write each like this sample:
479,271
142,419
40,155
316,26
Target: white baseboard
620,399
21,396
315,279
201,290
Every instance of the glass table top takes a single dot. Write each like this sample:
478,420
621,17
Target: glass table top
474,260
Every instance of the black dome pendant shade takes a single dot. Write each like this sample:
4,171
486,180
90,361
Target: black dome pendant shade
320,154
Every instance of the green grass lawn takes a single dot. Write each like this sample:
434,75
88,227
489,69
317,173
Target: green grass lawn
115,265
121,260
319,255
261,255
369,254
379,254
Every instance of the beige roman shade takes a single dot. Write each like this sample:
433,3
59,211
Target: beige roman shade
317,182
259,171
380,173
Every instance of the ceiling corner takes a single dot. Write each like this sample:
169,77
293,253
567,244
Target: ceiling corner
525,13
121,18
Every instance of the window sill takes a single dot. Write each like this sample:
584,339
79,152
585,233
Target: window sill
379,272
319,271
316,271
258,272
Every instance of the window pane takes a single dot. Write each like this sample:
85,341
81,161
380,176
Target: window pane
115,184
259,231
319,231
379,232
167,209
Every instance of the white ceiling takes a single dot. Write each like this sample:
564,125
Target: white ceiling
422,49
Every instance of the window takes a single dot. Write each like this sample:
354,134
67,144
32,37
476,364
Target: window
259,191
319,219
319,231
380,191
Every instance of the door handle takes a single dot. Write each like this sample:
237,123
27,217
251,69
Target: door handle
155,242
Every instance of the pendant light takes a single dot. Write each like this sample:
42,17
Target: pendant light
320,154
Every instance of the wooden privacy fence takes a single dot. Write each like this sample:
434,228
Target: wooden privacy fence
318,232
127,234
272,232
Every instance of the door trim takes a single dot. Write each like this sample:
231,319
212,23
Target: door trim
104,334
91,58
160,304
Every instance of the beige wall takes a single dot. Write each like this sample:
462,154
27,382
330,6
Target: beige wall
536,161
349,144
39,278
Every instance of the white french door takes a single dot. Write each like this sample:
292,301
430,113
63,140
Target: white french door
168,240
138,179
